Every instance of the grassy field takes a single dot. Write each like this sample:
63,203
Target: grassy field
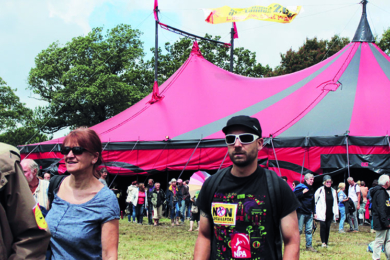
166,242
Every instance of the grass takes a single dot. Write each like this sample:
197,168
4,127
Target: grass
166,242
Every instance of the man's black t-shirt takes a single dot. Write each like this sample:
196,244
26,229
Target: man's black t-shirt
242,216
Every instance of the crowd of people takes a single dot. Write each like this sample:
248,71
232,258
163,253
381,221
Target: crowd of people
243,211
152,201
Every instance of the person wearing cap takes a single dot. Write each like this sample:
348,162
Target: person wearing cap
174,198
185,195
326,208
237,219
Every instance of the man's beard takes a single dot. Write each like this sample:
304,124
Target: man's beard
242,163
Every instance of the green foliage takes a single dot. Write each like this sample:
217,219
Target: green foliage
384,41
310,53
177,53
91,78
22,135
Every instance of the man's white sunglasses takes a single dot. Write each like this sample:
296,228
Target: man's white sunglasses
245,138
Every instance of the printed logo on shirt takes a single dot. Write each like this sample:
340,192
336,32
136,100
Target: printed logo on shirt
224,213
241,247
387,203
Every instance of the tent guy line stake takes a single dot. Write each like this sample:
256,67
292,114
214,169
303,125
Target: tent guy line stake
223,160
189,158
276,158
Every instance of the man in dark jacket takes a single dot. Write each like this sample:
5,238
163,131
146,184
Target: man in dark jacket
185,196
305,195
150,188
381,216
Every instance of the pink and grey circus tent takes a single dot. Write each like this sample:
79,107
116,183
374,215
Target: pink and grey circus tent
333,115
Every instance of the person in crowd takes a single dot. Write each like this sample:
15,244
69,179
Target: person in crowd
195,214
380,216
369,198
188,201
243,190
139,200
295,184
37,186
284,178
130,191
174,197
150,188
84,217
362,210
185,195
342,199
157,200
47,176
354,194
103,176
326,207
21,235
305,195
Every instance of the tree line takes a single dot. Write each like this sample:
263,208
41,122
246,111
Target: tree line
94,77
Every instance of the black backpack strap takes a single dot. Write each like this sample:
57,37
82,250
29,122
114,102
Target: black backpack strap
55,182
276,201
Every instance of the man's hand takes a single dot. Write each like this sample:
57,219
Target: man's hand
304,191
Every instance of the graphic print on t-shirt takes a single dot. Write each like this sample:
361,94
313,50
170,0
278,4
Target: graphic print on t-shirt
239,224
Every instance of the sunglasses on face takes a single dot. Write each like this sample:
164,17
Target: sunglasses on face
77,150
244,138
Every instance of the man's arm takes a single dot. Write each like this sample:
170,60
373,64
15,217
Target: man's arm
291,238
203,243
110,238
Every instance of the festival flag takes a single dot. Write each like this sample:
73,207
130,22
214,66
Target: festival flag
272,13
235,36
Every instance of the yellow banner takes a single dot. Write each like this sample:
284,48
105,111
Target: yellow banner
224,213
272,13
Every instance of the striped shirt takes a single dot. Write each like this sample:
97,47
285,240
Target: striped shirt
40,194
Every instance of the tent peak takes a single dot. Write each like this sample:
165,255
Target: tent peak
195,50
363,32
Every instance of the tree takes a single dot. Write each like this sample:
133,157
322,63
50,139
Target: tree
90,79
310,53
177,53
14,114
384,41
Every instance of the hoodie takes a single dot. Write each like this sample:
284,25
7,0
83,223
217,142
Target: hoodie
306,199
380,208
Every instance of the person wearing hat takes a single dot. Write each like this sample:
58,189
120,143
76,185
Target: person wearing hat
174,198
326,208
236,214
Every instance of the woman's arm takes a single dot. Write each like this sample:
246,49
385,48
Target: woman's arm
110,238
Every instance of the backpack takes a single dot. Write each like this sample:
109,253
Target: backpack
361,195
274,196
55,182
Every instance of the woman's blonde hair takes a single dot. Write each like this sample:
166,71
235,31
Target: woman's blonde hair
341,186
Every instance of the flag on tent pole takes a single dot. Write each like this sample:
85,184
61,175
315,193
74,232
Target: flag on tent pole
272,13
235,36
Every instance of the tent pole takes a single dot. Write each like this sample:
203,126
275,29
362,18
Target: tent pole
276,158
189,158
303,164
231,47
156,49
349,173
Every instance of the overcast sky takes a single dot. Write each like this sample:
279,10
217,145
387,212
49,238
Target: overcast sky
28,27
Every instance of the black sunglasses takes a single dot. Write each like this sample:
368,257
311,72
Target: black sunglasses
77,150
244,138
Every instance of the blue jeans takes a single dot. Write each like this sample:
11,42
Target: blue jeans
175,210
134,212
342,218
308,221
182,210
140,212
150,213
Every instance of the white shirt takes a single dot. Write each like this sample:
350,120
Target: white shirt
40,194
352,194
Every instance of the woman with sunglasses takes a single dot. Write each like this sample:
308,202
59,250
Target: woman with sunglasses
326,208
84,218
